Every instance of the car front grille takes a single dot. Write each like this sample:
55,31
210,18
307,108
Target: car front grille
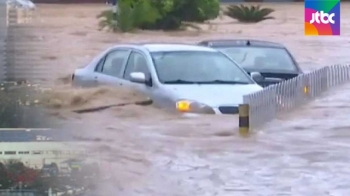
228,109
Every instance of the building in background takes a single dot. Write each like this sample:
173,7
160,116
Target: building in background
45,162
37,148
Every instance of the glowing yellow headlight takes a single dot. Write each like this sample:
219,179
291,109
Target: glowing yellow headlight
183,106
306,90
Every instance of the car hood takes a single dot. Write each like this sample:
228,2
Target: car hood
213,95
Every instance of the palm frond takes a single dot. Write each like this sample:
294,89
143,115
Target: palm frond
248,14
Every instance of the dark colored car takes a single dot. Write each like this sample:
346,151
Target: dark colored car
272,60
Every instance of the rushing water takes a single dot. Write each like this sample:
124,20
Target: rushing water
305,154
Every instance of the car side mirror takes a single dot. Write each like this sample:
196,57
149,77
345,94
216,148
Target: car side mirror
257,77
138,77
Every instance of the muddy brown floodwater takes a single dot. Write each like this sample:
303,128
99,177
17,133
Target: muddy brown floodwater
157,153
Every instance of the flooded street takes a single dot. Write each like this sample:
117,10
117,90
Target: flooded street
304,156
151,152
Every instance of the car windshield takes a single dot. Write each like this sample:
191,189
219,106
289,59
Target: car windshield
261,58
197,67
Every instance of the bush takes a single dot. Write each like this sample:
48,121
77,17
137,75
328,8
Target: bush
158,14
13,172
175,12
248,14
130,15
166,20
199,10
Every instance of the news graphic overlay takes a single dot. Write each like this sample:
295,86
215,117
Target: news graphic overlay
322,17
3,36
23,68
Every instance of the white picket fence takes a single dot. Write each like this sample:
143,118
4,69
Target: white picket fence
289,95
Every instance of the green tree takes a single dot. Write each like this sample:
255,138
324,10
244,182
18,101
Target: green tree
5,182
158,14
131,15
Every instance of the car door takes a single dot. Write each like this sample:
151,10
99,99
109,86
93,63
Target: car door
137,62
109,71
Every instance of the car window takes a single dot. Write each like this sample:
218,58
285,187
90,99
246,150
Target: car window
99,65
114,62
261,58
137,63
197,66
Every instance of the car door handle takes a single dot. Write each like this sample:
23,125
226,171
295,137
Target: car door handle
95,78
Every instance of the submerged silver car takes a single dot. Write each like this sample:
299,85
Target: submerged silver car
186,78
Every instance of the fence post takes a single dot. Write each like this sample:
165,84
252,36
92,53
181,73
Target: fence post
243,112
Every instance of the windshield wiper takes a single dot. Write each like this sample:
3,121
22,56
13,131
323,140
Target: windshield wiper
244,57
222,82
180,82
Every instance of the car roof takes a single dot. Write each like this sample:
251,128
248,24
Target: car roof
176,47
240,42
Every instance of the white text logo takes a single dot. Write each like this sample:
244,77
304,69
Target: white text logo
322,18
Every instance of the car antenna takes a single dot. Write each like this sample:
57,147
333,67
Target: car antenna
248,43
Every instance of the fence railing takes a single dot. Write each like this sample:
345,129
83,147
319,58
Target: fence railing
286,96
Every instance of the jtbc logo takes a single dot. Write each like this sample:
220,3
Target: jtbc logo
316,17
